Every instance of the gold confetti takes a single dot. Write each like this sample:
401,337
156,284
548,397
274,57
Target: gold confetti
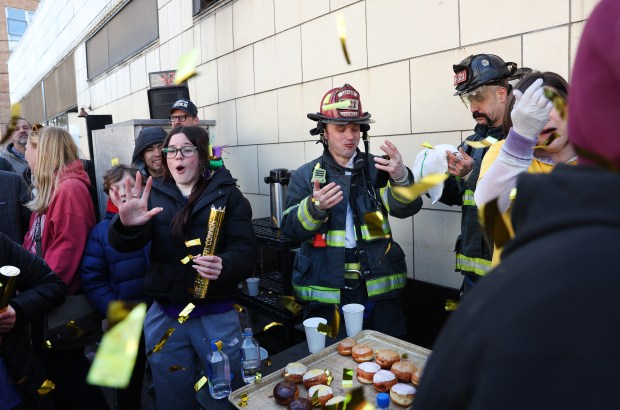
193,242
186,259
333,328
290,304
451,305
330,378
341,29
238,308
559,103
272,324
46,387
427,145
176,368
184,315
496,226
187,66
404,356
548,141
73,326
200,383
22,380
258,377
411,192
268,362
374,223
485,143
48,344
116,355
315,399
244,399
161,342
347,378
114,161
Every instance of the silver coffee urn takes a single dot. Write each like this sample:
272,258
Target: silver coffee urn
278,180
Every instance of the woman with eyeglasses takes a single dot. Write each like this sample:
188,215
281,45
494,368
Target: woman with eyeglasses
171,212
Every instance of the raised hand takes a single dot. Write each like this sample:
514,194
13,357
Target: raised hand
327,197
531,110
133,209
459,164
394,164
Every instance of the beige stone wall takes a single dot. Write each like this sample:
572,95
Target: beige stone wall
264,64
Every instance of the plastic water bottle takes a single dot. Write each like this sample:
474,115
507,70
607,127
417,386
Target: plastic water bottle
250,357
219,371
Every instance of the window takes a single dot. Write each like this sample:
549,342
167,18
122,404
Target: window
17,21
129,31
200,5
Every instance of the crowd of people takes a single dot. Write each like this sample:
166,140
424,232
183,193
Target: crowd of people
538,310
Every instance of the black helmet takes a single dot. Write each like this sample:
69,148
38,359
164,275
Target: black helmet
481,69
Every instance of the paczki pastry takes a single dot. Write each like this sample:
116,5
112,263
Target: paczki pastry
402,394
361,353
383,380
366,371
285,392
294,372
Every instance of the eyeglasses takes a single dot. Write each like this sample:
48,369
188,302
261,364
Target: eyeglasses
477,95
179,118
186,152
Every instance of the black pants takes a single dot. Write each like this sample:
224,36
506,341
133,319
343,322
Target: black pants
68,370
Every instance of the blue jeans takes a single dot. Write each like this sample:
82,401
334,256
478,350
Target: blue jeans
188,347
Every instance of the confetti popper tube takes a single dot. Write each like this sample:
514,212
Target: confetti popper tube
8,278
201,285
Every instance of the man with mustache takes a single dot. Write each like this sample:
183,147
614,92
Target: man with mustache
481,81
14,152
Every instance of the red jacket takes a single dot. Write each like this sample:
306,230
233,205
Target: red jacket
65,225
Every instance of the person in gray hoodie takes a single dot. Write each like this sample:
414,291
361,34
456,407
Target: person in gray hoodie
147,152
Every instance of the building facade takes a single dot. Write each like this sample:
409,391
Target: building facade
17,16
264,64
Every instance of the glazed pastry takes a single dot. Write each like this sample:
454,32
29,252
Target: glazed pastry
366,371
361,353
285,392
404,370
386,358
314,377
402,394
383,380
294,372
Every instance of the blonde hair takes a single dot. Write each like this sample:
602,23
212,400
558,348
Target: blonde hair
55,150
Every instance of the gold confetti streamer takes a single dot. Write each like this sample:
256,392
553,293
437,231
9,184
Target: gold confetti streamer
187,66
451,305
333,328
411,192
341,29
238,308
186,259
73,326
184,315
116,355
548,141
258,377
243,400
427,145
559,103
161,342
290,304
200,383
496,226
46,387
330,378
347,378
48,344
485,143
404,356
193,242
315,399
374,222
176,368
272,324
115,161
268,362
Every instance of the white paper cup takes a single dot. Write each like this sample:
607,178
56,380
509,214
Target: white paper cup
253,286
353,318
263,353
316,340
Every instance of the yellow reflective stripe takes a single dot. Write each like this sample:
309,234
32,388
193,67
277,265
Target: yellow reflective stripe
479,266
335,238
318,294
386,284
468,198
383,193
307,221
385,226
353,266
